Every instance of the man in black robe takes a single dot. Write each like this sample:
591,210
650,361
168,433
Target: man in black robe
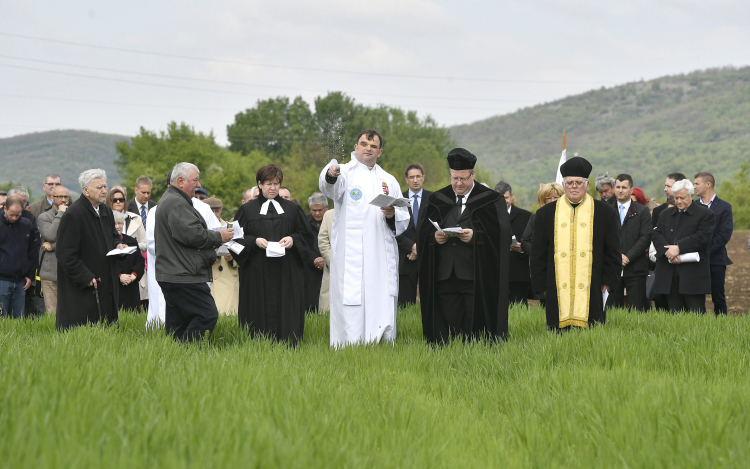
85,235
520,278
587,263
318,204
463,279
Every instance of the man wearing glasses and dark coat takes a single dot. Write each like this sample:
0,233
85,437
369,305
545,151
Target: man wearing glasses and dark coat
575,252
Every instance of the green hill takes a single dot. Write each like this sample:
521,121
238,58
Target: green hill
28,158
689,123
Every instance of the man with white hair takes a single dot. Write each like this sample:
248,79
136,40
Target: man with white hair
86,277
605,186
682,239
314,266
184,247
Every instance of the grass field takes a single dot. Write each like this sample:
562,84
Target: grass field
651,390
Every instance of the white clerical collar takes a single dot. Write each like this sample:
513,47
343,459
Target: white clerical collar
412,194
276,205
626,205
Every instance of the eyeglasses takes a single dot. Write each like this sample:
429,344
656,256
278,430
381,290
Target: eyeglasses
575,183
118,200
60,196
466,179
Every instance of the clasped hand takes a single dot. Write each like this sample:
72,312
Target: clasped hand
673,251
286,242
126,279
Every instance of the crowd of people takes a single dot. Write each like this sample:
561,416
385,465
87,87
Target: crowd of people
464,253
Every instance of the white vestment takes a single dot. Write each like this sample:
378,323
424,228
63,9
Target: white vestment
364,255
156,305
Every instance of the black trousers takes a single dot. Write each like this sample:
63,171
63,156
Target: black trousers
718,274
636,287
407,287
680,302
190,310
454,308
518,292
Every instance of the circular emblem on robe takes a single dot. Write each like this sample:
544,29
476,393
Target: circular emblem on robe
563,254
564,225
581,286
583,254
386,191
355,194
565,285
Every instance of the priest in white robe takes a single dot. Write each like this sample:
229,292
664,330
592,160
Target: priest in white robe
156,305
364,252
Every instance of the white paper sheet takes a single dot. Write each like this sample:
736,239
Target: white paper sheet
383,200
238,233
234,246
127,250
605,295
454,231
690,257
274,249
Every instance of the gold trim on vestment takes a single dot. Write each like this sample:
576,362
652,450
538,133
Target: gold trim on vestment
574,247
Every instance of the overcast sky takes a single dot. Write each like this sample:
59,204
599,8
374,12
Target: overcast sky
201,62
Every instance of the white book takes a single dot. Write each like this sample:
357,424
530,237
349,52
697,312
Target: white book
453,231
383,200
122,252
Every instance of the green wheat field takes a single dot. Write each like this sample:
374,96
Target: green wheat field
646,390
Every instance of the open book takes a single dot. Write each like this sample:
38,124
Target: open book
383,200
454,231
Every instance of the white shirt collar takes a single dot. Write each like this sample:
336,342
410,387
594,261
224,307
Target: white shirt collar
626,205
412,194
509,209
465,196
709,202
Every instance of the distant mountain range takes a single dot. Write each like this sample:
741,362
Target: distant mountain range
688,123
28,158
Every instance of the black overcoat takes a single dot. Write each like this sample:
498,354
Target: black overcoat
272,300
692,231
407,239
519,261
130,295
635,238
313,275
491,242
83,241
606,265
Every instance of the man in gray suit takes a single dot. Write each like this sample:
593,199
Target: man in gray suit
48,223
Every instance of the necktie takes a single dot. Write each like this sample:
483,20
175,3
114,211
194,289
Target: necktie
461,205
144,215
622,214
415,209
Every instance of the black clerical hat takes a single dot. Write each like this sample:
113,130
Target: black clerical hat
577,167
459,159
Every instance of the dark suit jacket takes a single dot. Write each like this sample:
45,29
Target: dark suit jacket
655,214
133,207
722,231
519,261
38,208
407,239
692,232
635,238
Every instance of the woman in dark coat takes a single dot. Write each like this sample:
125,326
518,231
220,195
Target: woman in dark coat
130,268
85,236
272,288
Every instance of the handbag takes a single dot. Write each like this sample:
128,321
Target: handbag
650,285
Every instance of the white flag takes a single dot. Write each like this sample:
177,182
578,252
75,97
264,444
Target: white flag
563,159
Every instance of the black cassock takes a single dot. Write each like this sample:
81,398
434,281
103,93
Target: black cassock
606,265
130,295
272,293
313,275
83,241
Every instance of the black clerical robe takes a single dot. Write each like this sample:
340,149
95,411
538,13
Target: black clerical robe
313,275
488,251
83,240
272,300
606,264
130,295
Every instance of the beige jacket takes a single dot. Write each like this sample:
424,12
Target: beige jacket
324,244
226,285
